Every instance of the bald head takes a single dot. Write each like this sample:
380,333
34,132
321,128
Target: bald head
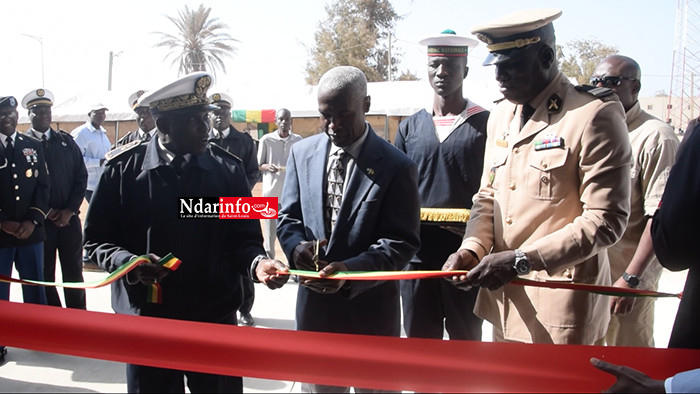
624,77
283,120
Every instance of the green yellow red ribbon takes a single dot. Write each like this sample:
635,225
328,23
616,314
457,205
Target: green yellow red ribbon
396,275
154,293
170,262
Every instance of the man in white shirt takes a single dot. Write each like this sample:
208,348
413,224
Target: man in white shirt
273,151
94,144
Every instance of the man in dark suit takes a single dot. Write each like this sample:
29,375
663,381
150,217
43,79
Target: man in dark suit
674,233
68,177
357,196
24,200
135,212
228,137
144,118
243,147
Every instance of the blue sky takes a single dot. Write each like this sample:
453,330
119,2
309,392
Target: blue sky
78,36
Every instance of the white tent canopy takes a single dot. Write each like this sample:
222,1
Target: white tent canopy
399,98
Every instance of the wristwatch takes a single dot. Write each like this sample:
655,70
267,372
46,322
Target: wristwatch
522,264
632,280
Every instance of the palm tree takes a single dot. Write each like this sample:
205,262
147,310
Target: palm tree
200,44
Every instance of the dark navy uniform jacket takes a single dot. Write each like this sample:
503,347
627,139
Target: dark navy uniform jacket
24,189
127,139
449,174
242,146
135,210
66,171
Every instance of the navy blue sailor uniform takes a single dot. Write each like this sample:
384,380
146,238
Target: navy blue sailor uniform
68,178
449,174
24,195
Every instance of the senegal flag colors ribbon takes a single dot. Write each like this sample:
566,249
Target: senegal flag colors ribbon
395,275
154,293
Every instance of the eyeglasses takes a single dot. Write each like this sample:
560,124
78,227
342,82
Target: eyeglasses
609,81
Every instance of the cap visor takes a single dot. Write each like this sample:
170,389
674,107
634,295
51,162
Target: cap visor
494,58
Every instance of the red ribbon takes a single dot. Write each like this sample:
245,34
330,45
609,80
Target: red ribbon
388,363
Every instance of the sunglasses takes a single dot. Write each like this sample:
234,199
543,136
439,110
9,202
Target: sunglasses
609,81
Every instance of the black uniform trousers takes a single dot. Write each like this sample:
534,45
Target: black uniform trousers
144,379
248,295
68,241
431,306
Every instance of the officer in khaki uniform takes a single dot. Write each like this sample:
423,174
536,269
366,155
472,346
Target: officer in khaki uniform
554,195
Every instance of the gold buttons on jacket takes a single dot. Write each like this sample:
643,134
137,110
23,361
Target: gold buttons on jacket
516,150
17,198
509,220
16,187
544,164
511,186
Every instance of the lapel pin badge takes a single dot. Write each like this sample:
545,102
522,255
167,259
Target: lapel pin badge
370,171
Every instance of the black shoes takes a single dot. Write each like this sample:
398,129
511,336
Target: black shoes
3,352
246,319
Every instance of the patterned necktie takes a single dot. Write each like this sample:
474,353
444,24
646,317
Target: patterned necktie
334,190
526,114
146,137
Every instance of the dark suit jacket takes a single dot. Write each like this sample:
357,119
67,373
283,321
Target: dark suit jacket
24,189
242,146
377,229
674,231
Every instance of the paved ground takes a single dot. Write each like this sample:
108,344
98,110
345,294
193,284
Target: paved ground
32,371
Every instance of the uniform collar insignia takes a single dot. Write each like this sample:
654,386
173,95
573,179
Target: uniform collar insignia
554,104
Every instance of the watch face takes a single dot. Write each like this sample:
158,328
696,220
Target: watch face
522,266
632,280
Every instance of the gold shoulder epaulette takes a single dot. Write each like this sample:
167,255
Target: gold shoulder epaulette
444,215
121,149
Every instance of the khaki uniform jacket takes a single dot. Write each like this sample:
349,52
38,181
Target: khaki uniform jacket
654,146
563,206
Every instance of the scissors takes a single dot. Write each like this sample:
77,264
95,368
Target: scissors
315,257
